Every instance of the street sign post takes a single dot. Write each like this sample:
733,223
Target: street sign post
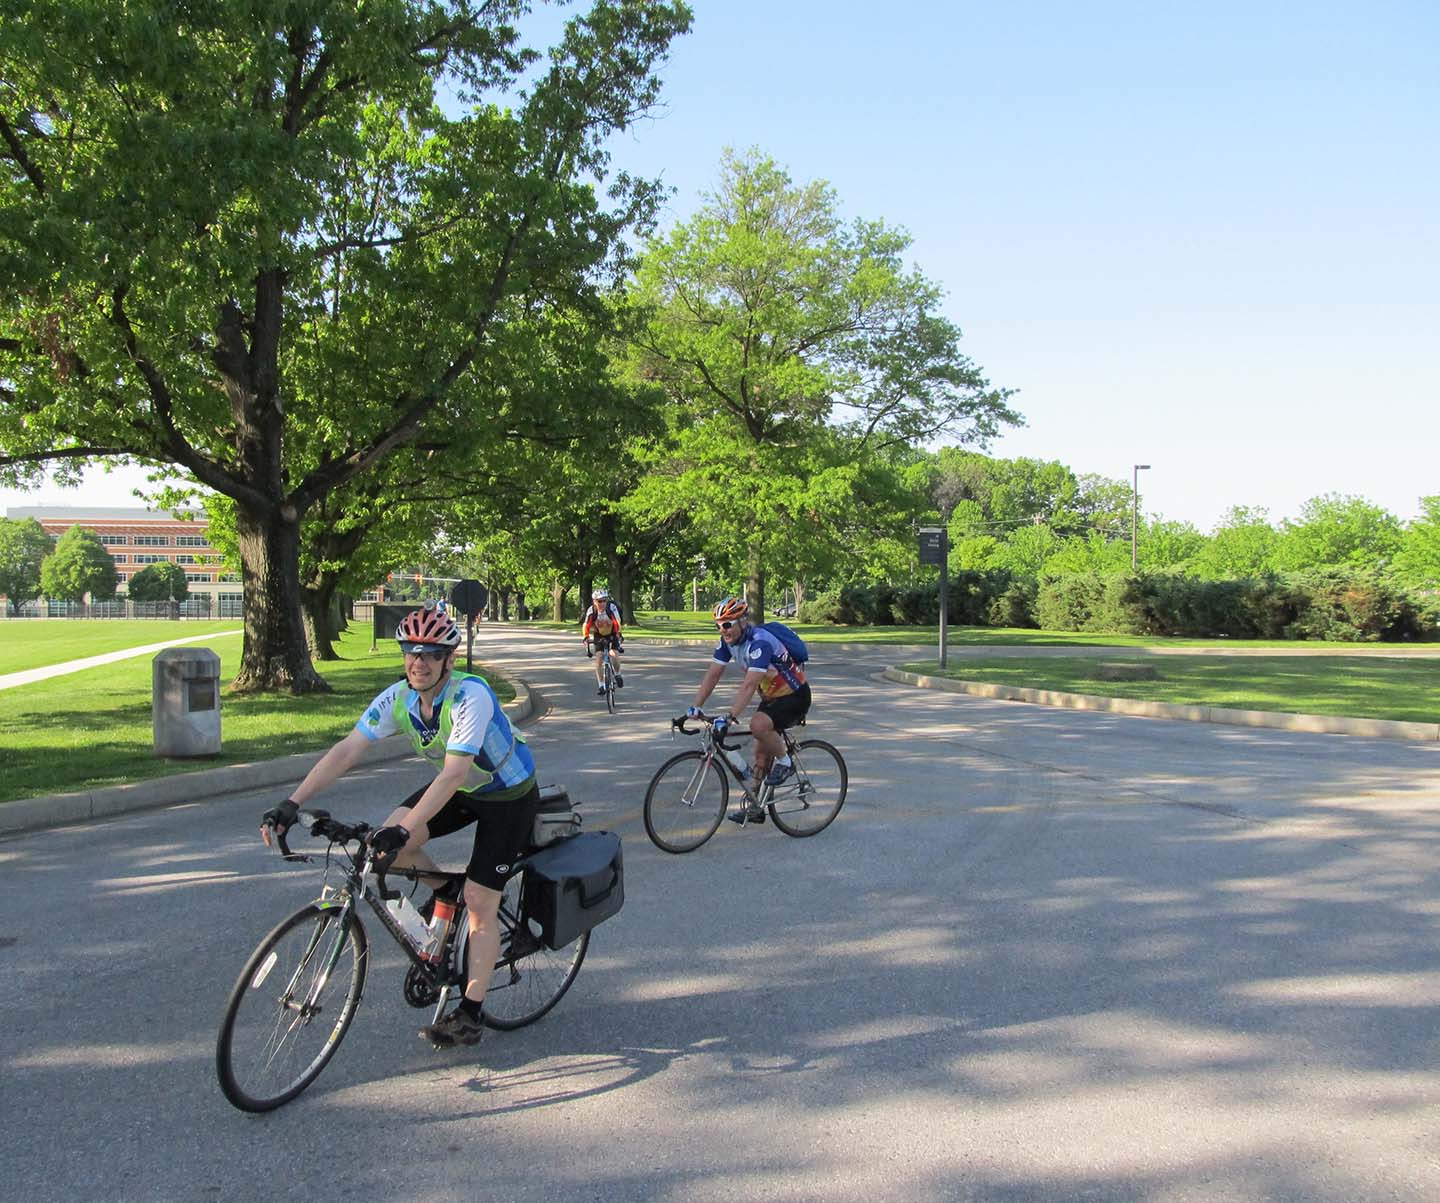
935,549
469,597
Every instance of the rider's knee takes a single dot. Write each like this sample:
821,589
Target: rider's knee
482,902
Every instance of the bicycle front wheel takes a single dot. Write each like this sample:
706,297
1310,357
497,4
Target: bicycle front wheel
685,802
529,978
609,685
291,1007
809,801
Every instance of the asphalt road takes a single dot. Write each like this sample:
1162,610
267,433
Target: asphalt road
1041,955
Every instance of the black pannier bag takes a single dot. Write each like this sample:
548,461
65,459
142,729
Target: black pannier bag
574,884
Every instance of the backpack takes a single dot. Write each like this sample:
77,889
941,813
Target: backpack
792,642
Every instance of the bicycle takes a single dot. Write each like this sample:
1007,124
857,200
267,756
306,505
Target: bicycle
299,991
609,674
687,798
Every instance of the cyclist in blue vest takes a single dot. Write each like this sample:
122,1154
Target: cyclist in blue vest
770,671
485,775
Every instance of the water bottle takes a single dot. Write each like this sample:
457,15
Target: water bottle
737,762
440,928
411,921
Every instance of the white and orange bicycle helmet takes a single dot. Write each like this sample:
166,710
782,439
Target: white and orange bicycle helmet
730,609
427,628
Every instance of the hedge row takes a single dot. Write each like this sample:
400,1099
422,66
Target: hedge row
1343,606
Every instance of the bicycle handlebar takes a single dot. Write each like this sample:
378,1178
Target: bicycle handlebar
319,823
703,721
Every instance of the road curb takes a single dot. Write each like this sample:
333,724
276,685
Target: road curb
33,814
1320,724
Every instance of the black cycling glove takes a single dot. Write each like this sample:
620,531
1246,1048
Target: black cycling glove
386,841
280,818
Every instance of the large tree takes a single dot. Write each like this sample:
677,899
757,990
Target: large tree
157,583
1417,562
244,239
775,321
23,548
1242,545
1337,531
79,565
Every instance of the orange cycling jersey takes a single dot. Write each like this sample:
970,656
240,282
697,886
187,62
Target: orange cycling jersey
604,622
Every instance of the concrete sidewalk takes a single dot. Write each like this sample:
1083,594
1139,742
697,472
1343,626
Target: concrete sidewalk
30,814
29,675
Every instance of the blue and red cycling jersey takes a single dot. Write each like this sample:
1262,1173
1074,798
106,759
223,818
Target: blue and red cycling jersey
761,651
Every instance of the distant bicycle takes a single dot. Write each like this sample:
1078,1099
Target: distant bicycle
299,991
687,798
610,678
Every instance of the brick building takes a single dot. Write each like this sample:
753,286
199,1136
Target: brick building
136,537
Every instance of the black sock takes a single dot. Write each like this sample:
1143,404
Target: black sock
470,1007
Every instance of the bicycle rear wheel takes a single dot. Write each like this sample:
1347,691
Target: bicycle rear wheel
529,979
291,1007
809,801
685,802
609,685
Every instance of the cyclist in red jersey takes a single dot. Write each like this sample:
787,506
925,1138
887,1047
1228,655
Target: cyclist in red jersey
602,626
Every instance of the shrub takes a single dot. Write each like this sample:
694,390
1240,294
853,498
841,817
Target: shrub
1360,607
1015,607
822,608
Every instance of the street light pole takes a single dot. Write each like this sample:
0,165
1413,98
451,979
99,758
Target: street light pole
1135,513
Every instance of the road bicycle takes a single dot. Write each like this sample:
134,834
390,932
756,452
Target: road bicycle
609,674
299,991
686,801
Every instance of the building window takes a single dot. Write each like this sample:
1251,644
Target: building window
191,541
144,559
198,578
114,540
118,559
151,540
184,559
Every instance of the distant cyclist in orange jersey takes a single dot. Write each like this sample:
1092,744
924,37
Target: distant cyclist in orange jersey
601,629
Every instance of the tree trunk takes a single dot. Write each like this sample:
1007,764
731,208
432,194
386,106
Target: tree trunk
755,591
275,654
323,618
622,587
557,600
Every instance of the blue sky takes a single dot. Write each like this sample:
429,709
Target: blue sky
1199,237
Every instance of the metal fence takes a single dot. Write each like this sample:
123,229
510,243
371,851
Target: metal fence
202,605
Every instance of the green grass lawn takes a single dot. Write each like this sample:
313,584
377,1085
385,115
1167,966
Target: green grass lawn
688,624
93,728
1354,686
34,643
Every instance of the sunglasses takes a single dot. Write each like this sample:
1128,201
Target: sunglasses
438,656
725,626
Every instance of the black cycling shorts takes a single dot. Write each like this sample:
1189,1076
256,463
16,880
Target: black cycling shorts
503,830
786,711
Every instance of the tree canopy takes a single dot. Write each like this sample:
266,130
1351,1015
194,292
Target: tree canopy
23,548
79,565
797,348
158,583
250,243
